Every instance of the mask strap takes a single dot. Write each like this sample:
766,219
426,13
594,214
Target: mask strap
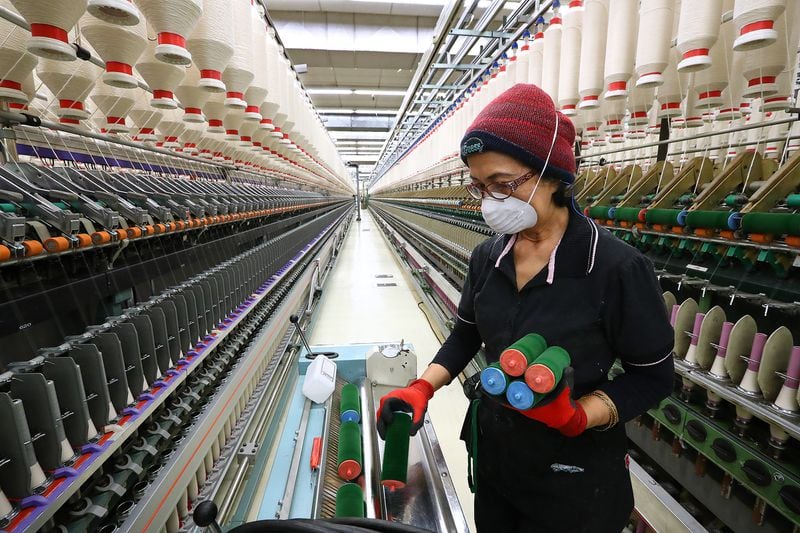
547,160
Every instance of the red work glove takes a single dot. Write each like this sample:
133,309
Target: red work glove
412,399
561,412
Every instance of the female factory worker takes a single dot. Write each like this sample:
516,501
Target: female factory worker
560,466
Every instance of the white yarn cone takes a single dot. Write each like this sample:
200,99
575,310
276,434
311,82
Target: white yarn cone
120,12
698,30
214,110
669,94
755,21
551,57
192,96
710,83
523,61
620,47
171,128
239,73
257,91
190,137
535,64
568,96
732,94
640,100
233,123
28,87
652,46
272,101
782,99
16,63
173,20
205,147
162,78
593,51
70,83
246,131
51,23
119,46
211,43
762,66
145,117
115,104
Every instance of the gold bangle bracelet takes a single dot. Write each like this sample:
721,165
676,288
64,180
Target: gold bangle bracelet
613,414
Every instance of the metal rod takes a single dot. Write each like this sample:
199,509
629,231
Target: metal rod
323,458
291,480
372,460
543,7
10,117
698,136
230,495
696,150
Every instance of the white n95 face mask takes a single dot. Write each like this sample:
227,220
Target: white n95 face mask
511,215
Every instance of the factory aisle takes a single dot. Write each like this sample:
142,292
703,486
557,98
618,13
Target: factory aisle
356,308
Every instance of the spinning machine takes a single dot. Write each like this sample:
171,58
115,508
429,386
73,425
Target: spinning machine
687,150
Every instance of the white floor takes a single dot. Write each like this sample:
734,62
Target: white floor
355,309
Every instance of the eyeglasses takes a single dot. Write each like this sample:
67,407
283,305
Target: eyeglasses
498,191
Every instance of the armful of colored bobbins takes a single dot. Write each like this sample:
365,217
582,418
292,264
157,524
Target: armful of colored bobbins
537,380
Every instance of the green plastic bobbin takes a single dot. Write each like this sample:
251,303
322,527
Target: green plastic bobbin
546,372
349,501
349,451
394,471
516,358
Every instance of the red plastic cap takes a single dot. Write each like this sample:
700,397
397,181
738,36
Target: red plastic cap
349,469
513,362
540,379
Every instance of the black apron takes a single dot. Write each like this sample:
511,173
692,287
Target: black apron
530,478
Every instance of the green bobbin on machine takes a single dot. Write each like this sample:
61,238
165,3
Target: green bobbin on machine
665,217
545,373
350,501
394,472
516,358
349,450
350,404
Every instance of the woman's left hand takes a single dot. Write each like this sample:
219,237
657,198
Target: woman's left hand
562,412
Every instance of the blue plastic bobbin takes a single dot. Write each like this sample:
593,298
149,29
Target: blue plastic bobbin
682,217
612,213
493,381
735,221
519,395
351,416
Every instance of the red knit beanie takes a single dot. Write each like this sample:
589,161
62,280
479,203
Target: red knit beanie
521,123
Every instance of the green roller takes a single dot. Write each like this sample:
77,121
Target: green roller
516,358
793,201
349,450
7,208
545,373
772,223
350,404
395,454
708,219
350,501
61,205
735,200
630,214
599,211
665,217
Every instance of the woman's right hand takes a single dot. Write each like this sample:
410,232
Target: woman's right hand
412,399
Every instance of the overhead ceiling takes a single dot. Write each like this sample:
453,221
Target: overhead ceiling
362,57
